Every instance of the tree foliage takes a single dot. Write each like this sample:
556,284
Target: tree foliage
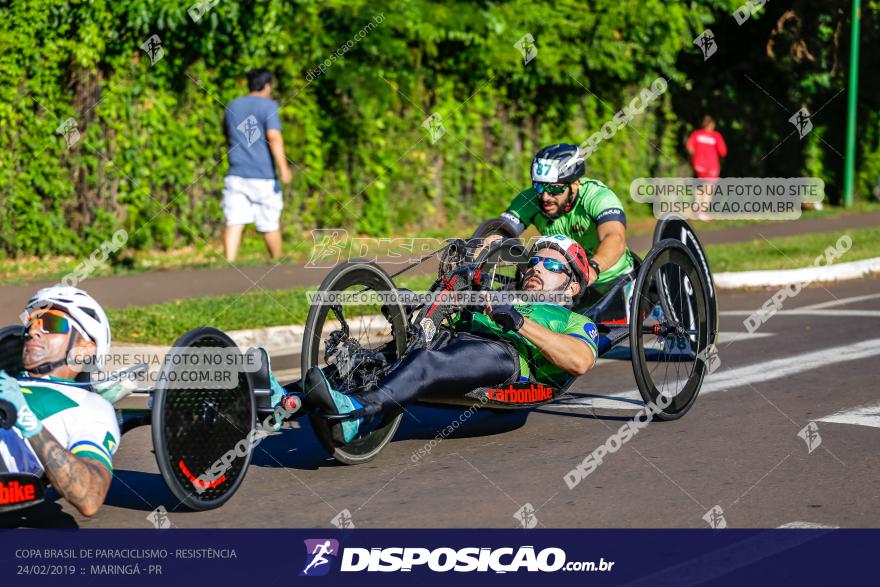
151,155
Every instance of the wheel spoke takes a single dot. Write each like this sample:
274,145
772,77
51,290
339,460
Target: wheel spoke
360,348
671,272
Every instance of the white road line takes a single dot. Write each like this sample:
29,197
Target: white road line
807,525
821,313
727,379
615,357
860,416
631,400
725,337
621,352
835,313
840,302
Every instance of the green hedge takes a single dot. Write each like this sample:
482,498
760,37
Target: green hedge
151,156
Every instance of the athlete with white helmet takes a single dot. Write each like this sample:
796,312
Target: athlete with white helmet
503,344
62,427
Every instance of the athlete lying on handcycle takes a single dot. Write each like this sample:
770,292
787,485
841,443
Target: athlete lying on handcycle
61,427
55,418
497,346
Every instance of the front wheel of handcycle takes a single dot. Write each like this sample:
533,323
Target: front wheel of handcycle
355,333
677,228
203,418
670,329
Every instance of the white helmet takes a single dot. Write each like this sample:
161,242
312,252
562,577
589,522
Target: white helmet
84,310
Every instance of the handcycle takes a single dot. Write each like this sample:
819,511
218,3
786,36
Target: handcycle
671,304
665,308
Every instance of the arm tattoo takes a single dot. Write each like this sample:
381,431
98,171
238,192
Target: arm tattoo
82,482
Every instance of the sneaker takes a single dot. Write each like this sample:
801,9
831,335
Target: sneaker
320,395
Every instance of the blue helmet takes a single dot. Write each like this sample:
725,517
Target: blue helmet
561,163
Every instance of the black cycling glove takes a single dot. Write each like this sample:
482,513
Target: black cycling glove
507,317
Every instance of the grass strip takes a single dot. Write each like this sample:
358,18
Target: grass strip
163,323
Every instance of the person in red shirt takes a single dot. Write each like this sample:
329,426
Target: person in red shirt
706,146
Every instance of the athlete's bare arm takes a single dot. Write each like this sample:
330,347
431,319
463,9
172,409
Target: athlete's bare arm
612,245
81,481
564,351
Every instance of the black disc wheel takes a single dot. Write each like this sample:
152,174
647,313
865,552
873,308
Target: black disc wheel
355,334
203,417
11,346
670,329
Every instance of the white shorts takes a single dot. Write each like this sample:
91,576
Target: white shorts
252,201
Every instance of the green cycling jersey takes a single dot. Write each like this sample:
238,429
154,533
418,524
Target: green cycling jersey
532,362
595,204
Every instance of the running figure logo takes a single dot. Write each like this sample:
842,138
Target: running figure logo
810,435
706,43
154,49
526,47
434,124
251,129
327,251
526,516
802,122
317,553
715,518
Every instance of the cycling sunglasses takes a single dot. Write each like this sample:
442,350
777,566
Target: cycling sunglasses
554,189
52,322
552,265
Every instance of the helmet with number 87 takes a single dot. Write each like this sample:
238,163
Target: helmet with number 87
560,163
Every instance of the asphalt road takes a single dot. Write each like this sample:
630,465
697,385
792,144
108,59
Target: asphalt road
738,449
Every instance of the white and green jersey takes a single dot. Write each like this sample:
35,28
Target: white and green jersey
82,421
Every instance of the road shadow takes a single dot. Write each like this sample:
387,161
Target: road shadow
619,353
139,490
422,422
48,514
297,447
590,416
131,490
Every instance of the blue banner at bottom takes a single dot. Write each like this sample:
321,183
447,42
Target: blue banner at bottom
215,557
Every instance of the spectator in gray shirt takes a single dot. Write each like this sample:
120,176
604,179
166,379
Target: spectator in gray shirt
251,191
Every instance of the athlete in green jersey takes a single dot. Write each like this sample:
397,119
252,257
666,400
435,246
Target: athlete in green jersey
532,363
563,201
501,345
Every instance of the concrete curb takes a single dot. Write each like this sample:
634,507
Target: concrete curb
283,340
783,277
275,339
